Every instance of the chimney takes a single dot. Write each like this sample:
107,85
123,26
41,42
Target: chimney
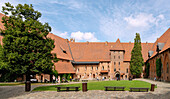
87,42
146,43
72,40
106,43
67,40
129,42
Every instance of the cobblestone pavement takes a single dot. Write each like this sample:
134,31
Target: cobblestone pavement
161,92
13,91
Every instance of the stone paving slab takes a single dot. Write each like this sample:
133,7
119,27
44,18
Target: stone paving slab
161,92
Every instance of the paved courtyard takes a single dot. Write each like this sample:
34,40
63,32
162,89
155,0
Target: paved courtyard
161,92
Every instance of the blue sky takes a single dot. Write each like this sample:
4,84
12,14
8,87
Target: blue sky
103,20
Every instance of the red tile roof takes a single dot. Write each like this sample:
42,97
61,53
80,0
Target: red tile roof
90,51
64,67
1,24
61,45
117,46
165,38
104,71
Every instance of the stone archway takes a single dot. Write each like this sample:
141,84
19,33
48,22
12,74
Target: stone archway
117,75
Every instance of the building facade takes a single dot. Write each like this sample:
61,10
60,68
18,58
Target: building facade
104,60
160,50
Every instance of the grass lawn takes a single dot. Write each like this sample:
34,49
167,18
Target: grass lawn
100,85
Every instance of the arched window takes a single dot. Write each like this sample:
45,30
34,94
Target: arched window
97,68
85,67
91,67
167,68
96,73
127,70
102,67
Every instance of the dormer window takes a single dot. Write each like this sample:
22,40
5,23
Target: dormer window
159,46
150,53
64,51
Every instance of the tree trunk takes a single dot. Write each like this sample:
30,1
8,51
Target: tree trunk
27,83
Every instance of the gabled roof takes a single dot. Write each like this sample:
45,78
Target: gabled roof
117,46
165,38
64,67
90,51
129,46
61,47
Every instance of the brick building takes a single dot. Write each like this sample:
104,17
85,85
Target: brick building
92,60
160,49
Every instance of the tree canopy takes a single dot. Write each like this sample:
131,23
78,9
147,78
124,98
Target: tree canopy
147,69
136,62
26,48
158,67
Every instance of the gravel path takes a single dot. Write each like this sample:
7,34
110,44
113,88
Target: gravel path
161,92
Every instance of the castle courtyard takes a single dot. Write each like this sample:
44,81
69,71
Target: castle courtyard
161,92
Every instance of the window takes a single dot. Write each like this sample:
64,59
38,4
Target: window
119,57
114,69
77,69
114,57
85,67
108,66
92,68
119,63
167,67
96,73
114,63
102,67
97,68
125,76
119,68
127,70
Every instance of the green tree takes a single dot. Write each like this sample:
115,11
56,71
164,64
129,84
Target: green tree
147,69
26,48
136,62
158,67
68,76
55,73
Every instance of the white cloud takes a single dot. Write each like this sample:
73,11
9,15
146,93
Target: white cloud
140,20
86,36
64,35
143,20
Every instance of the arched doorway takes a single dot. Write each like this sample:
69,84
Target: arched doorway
117,75
93,75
